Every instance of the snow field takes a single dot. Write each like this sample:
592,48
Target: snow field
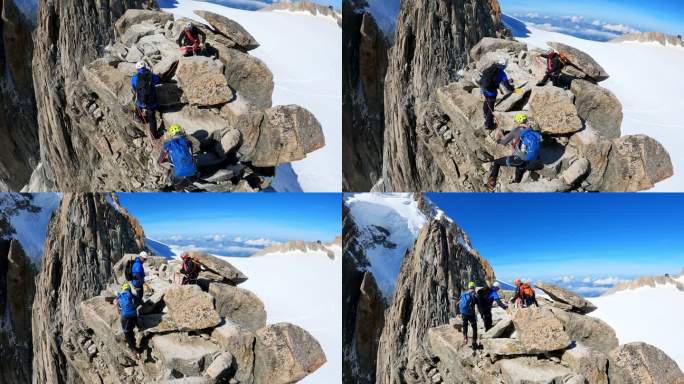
303,52
652,315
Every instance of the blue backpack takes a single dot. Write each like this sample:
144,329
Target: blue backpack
127,305
530,143
467,303
181,157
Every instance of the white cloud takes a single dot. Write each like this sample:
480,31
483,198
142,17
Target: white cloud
237,248
238,239
608,281
587,280
596,22
565,279
532,14
261,242
621,28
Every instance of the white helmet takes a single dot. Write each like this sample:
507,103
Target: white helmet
188,26
140,65
503,62
143,255
496,284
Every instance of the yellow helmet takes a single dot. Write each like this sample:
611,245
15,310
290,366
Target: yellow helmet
125,287
520,118
173,130
471,284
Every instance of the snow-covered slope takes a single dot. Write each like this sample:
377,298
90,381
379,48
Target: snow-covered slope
650,314
644,77
388,225
303,52
30,221
305,291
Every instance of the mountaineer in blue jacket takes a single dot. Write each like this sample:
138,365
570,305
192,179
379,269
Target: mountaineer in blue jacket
491,78
466,306
526,143
143,84
138,282
179,151
488,296
129,316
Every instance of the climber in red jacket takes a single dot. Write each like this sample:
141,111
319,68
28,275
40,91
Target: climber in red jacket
191,40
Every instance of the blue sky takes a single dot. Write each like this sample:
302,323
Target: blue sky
276,216
655,15
552,235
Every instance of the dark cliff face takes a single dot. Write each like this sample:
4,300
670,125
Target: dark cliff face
364,310
70,34
431,44
16,296
85,238
363,72
18,123
432,276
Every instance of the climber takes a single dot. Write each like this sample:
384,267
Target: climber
178,149
466,305
129,316
524,295
190,269
529,297
525,142
555,62
487,297
144,83
489,83
190,40
138,281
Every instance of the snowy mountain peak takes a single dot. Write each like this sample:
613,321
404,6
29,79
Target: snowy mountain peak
651,37
676,281
388,225
303,248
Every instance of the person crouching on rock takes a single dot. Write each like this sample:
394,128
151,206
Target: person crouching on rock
178,150
144,83
524,295
555,62
138,282
190,269
466,306
488,296
129,316
491,78
525,142
191,40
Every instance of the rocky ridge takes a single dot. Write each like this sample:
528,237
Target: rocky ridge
416,338
223,102
363,72
18,123
431,43
554,343
305,6
17,289
651,37
649,281
301,246
582,148
212,332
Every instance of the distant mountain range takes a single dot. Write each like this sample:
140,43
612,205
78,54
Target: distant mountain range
651,37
